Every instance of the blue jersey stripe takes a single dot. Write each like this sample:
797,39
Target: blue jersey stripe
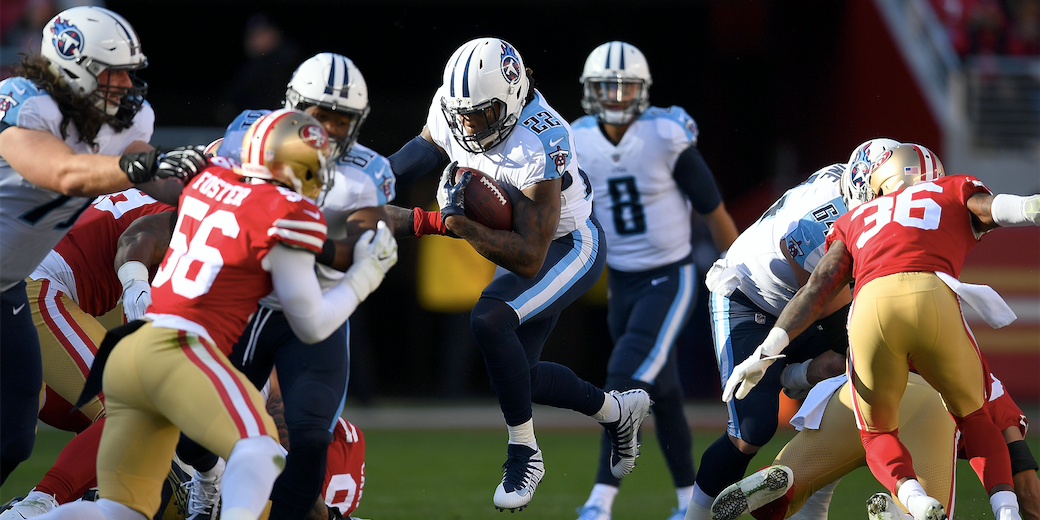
670,329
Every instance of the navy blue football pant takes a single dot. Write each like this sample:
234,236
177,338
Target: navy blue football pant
313,381
647,312
515,315
738,328
21,377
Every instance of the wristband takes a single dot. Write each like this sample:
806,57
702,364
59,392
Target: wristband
774,342
428,223
1021,458
132,271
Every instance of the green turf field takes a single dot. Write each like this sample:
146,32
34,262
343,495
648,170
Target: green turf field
452,475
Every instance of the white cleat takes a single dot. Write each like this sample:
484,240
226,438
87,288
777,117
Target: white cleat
593,512
880,506
624,433
203,496
35,503
521,475
924,507
755,491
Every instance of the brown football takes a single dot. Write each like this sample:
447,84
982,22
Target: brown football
486,201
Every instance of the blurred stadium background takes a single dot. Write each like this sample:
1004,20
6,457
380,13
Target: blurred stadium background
779,88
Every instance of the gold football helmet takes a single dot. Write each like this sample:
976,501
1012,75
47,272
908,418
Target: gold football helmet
907,165
291,148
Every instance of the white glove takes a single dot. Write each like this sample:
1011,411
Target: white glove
750,371
374,254
137,293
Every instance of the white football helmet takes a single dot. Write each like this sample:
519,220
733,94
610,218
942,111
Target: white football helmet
82,42
290,147
907,165
333,82
484,79
855,182
616,81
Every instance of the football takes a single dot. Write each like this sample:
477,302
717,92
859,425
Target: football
485,200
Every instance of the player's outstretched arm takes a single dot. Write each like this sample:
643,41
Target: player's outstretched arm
48,162
143,244
1001,210
536,215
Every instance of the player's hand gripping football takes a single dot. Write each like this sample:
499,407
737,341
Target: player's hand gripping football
450,195
183,163
374,254
750,371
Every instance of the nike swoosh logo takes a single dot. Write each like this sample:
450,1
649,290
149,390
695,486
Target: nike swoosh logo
315,214
555,142
656,281
19,308
18,89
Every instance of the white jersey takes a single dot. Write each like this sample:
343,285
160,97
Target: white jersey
801,219
539,148
33,219
643,212
363,179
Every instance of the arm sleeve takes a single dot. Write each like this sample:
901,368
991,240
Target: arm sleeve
313,316
695,180
415,159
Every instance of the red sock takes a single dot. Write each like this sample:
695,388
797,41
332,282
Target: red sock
887,458
985,448
58,413
75,471
776,509
428,223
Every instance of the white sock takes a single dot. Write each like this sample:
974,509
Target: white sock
696,511
602,496
610,411
909,491
216,471
816,507
523,434
1000,499
251,470
684,494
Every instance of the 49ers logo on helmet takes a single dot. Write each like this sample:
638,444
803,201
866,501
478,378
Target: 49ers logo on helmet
314,136
880,160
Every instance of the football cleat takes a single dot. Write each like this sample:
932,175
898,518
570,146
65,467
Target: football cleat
34,504
593,512
203,497
624,433
521,474
924,507
880,506
753,492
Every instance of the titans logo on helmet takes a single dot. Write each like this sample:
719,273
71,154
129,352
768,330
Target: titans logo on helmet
68,39
314,136
510,64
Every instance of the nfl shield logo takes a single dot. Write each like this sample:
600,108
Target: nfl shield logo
760,318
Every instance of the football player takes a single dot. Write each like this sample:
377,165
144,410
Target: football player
645,168
907,308
313,377
749,287
487,115
241,232
83,278
64,119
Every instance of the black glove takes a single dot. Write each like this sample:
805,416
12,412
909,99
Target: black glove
183,163
451,195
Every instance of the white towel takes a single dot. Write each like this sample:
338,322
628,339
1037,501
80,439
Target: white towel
983,299
810,414
723,278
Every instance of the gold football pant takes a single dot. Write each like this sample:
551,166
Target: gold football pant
159,382
68,342
818,457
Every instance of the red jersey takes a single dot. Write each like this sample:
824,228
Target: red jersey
345,468
213,273
90,246
923,228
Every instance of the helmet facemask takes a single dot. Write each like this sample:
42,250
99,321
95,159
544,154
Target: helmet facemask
131,98
489,119
615,100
